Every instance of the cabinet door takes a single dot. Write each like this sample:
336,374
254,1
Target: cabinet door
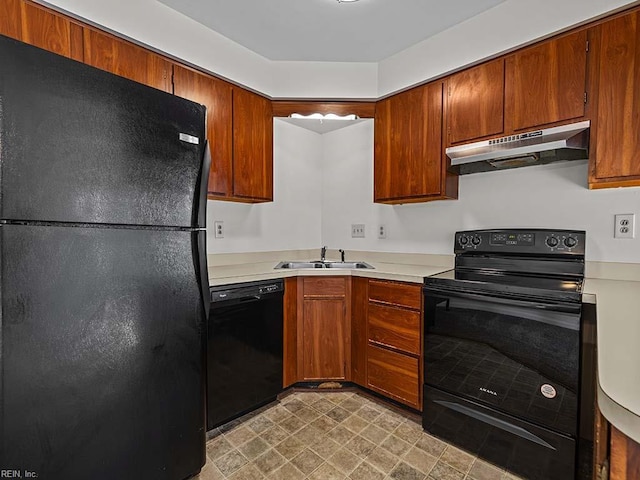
625,456
215,94
547,83
324,335
10,19
252,146
396,328
394,375
127,60
408,144
41,27
475,102
615,140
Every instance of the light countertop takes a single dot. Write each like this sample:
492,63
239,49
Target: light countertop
228,274
618,322
617,300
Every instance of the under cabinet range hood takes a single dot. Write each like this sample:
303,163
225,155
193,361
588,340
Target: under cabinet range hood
567,142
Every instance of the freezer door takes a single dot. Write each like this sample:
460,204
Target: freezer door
102,356
81,145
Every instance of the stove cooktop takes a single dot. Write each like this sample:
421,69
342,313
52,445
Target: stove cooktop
564,289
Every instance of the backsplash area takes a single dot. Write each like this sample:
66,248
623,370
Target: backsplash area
324,183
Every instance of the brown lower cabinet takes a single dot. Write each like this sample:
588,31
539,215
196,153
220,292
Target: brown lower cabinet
323,328
355,329
625,457
394,374
394,341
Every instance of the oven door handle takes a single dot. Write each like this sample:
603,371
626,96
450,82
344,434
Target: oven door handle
495,422
554,307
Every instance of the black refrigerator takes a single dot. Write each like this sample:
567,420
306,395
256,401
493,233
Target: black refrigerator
102,273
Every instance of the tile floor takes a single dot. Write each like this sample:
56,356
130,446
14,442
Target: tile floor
335,436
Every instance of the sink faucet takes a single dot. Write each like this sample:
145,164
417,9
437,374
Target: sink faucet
323,253
341,255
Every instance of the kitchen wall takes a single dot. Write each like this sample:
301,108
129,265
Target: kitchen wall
292,220
548,196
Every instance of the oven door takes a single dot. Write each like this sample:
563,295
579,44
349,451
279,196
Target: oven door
519,357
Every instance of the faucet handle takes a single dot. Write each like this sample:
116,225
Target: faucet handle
341,255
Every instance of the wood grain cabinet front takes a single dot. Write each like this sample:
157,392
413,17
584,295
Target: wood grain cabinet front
394,341
252,147
409,165
475,103
110,53
43,28
324,328
615,130
625,457
546,84
240,135
216,95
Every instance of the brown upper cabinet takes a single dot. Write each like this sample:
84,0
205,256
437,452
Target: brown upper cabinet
546,83
475,103
216,95
615,130
240,135
409,165
252,147
126,59
35,25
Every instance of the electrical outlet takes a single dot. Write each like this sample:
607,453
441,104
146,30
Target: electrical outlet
218,227
382,232
357,230
625,224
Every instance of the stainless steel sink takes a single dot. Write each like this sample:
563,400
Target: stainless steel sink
300,265
319,264
349,265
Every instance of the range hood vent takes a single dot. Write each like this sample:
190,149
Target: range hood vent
568,142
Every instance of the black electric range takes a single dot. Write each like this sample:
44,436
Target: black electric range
502,349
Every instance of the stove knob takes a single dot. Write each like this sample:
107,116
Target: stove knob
570,242
463,240
552,242
476,240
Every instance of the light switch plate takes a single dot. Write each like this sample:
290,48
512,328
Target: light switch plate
357,230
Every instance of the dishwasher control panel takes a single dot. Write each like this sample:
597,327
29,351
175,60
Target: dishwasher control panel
249,290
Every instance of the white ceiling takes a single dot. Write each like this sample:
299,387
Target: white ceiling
326,30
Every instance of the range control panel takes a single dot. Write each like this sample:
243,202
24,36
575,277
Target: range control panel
530,241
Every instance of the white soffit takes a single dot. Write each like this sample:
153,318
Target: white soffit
326,30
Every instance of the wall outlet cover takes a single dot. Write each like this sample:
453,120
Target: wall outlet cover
624,225
218,228
382,232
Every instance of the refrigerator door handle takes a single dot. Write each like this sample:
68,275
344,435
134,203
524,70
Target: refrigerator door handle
200,210
201,258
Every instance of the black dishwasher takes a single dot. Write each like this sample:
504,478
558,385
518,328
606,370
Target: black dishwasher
244,349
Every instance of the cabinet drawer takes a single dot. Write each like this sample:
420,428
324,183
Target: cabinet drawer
395,327
394,375
324,286
402,294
